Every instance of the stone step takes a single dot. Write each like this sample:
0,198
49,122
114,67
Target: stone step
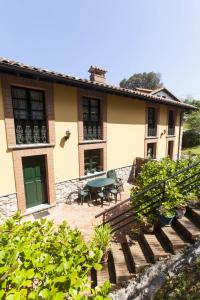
103,274
153,247
187,228
171,239
138,259
121,270
194,215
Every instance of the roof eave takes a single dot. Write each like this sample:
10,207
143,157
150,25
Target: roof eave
85,84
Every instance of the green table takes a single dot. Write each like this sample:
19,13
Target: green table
100,183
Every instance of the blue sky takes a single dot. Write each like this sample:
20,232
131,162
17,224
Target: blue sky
124,36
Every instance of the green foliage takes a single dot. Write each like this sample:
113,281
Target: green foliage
191,138
183,286
192,118
155,171
145,80
40,261
102,237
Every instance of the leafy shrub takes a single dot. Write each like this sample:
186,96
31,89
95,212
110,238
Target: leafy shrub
40,261
152,173
190,138
102,237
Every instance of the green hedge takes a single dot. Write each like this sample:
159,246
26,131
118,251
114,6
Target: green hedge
191,138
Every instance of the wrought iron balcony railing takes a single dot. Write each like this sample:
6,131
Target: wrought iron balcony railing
92,131
171,130
152,131
30,132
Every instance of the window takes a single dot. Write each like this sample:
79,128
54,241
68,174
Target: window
29,116
151,150
91,119
171,123
152,122
170,149
92,161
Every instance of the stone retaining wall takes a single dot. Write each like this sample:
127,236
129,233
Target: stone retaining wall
8,205
66,190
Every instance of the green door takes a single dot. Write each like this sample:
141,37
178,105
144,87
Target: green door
34,180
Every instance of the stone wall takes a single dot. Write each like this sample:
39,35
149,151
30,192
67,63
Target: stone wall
8,205
66,190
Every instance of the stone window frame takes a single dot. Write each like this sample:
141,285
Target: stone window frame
175,121
9,81
170,139
92,144
157,107
151,141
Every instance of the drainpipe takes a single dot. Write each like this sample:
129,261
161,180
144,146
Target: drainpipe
179,135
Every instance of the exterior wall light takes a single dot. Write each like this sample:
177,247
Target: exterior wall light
67,135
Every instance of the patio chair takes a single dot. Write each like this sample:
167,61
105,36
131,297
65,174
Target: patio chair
103,195
114,191
83,193
118,181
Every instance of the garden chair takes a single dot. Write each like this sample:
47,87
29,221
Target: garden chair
103,195
114,191
83,193
118,181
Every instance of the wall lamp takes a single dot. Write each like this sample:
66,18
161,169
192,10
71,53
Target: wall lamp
67,135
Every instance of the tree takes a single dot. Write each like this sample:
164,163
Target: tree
192,118
145,80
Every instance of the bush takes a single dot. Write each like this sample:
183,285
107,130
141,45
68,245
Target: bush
153,172
39,261
190,138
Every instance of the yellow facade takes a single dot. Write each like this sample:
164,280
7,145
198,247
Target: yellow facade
125,135
7,180
66,162
125,131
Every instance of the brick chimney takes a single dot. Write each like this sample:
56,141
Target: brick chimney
97,74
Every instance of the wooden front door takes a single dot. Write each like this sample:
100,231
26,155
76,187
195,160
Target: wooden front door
34,180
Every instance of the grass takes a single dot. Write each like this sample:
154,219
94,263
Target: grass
193,150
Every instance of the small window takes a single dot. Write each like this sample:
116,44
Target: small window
91,119
151,150
171,122
93,161
152,122
170,149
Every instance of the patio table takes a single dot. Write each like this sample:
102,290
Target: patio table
99,184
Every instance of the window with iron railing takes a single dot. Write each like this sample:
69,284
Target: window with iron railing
152,122
91,119
171,122
29,116
92,161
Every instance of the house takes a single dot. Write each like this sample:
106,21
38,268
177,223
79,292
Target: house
57,131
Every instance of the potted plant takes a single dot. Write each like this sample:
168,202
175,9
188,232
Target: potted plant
166,214
102,239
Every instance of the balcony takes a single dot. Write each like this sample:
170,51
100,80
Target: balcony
30,132
152,131
171,131
92,131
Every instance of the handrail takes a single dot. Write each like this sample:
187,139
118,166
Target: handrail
160,183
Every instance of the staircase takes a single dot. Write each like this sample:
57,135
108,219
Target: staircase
129,254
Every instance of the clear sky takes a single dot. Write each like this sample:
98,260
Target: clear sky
124,36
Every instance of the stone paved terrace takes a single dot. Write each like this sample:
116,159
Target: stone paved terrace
80,216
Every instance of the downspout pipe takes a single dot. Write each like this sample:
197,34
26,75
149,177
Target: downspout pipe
179,135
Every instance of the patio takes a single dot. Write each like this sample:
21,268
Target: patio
80,216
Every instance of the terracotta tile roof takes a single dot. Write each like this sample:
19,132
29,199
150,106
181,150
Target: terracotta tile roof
165,89
13,67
